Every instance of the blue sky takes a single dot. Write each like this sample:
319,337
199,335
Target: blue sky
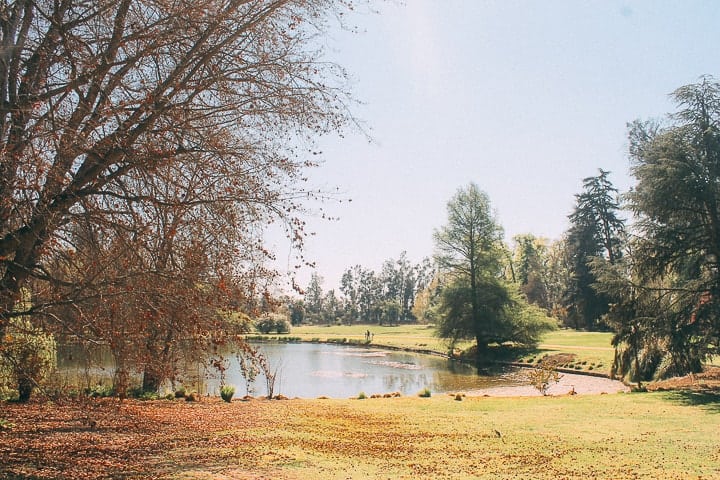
524,98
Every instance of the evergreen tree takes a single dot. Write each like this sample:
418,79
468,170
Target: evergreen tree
596,230
475,302
675,270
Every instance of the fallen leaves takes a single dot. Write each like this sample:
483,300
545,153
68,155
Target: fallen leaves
539,438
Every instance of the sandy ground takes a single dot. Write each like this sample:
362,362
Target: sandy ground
580,384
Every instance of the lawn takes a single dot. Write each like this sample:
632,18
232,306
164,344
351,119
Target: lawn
416,337
592,349
623,436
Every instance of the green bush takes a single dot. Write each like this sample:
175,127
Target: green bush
425,393
227,392
148,396
361,396
272,322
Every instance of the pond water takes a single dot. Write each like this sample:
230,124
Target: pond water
311,370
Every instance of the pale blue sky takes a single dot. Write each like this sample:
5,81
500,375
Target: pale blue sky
524,98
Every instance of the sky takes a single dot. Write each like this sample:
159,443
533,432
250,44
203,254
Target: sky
525,98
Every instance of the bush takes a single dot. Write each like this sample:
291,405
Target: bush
543,375
425,393
227,392
100,391
361,396
148,396
273,322
29,354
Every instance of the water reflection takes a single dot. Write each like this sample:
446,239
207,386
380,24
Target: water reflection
310,370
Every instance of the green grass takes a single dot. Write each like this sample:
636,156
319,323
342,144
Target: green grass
415,337
575,338
592,349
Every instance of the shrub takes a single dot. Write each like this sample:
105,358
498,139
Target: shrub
29,353
361,396
543,375
148,396
227,392
424,393
272,322
100,391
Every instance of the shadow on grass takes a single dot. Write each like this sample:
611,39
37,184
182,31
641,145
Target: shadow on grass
710,401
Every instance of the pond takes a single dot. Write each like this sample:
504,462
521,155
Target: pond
311,370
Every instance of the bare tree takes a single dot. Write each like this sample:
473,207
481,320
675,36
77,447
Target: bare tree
148,130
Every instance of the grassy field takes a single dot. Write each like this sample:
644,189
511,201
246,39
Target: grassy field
591,349
624,436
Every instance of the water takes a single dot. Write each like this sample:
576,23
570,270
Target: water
311,370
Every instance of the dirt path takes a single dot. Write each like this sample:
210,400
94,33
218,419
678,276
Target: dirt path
580,384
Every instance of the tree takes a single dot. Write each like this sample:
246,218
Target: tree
297,312
675,270
314,298
475,302
595,231
531,270
331,307
103,102
559,276
426,300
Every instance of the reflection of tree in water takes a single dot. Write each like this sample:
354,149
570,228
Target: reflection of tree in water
405,382
313,370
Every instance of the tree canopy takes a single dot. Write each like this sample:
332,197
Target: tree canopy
668,318
475,302
144,147
595,230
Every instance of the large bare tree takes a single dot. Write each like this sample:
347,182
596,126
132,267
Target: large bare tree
119,118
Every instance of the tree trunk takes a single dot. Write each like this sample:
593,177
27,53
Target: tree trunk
151,380
481,352
25,389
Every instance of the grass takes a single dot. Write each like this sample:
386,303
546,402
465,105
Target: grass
592,350
624,436
415,337
619,436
